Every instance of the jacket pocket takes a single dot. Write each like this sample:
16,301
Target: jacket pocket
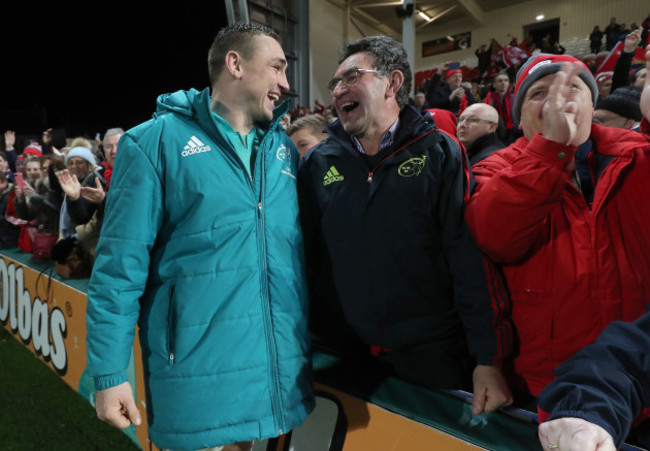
171,328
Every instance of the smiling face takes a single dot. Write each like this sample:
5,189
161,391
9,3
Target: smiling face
360,106
264,76
535,98
78,166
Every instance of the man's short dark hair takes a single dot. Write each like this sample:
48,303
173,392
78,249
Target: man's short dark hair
388,54
237,37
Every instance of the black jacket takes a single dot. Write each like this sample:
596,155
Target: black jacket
483,147
390,260
440,99
606,383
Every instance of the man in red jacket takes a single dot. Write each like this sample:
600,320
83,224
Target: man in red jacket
565,209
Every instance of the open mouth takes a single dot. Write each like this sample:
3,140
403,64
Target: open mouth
273,97
349,106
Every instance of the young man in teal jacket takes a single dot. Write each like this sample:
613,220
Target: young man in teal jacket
202,249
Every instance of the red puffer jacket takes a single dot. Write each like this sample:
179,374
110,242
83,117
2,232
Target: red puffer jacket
571,269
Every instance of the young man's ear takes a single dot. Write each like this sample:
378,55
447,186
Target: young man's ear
234,64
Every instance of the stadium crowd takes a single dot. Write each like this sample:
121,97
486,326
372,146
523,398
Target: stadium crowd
521,218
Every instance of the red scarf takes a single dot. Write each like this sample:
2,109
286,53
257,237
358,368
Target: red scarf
504,113
463,104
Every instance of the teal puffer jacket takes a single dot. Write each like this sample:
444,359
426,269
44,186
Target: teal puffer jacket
209,263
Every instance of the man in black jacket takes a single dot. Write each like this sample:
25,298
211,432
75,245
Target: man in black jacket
597,395
476,130
394,273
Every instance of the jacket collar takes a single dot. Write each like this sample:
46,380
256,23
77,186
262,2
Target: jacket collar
411,120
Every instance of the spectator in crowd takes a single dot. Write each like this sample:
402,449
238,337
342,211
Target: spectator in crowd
451,95
611,34
20,164
501,98
597,394
493,70
623,31
540,202
39,203
596,40
286,120
10,151
621,76
621,109
109,144
484,55
4,169
32,170
558,48
329,114
477,131
179,244
604,82
47,142
546,45
80,141
395,278
76,210
307,131
429,86
9,230
420,101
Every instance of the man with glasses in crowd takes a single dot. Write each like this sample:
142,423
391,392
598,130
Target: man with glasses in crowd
476,130
396,281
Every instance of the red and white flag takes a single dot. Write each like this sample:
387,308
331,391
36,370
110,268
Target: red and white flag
512,55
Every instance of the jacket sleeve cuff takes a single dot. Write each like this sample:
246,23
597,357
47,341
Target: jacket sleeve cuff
595,419
552,152
489,360
110,380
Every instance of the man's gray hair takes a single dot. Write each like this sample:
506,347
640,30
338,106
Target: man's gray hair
389,55
111,132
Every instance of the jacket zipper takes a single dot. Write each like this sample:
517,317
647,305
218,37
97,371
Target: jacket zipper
171,328
372,171
276,402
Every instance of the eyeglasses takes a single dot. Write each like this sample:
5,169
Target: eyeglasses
604,120
472,120
350,78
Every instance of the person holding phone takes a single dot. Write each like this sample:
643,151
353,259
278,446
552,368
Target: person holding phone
451,95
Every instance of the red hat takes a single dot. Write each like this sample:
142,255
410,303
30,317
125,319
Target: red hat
542,65
601,77
451,72
33,149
